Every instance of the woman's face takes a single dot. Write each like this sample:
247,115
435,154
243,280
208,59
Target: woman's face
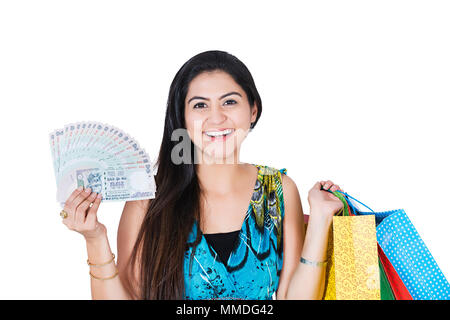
218,117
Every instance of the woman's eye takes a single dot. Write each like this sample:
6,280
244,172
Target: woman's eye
233,101
200,103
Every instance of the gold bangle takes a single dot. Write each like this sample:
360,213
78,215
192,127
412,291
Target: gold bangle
313,263
101,264
107,278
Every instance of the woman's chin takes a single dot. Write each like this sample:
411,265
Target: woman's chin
218,157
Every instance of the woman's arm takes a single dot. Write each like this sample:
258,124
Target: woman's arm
108,281
125,285
130,224
298,280
99,252
293,234
308,282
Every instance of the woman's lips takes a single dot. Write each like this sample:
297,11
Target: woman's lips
220,137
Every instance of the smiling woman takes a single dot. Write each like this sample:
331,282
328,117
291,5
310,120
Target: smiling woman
214,98
217,228
218,117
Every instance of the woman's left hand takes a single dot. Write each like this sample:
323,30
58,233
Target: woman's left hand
324,204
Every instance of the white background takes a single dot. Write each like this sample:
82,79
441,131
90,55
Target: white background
353,91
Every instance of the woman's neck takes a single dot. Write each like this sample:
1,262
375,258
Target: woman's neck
219,179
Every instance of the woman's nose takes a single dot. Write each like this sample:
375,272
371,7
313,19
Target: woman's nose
217,114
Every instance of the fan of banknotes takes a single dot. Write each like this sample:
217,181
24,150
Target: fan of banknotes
101,157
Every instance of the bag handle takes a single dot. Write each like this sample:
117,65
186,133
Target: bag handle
345,211
348,202
354,209
351,205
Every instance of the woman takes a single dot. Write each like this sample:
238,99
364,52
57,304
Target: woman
195,239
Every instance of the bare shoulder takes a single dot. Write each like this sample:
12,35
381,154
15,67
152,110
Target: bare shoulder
291,195
137,205
132,215
287,181
289,185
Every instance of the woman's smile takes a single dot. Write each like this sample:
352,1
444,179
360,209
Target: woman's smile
218,135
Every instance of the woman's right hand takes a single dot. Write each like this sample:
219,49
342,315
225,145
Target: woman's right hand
82,217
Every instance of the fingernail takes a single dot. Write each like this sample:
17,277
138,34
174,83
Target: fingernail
88,190
99,195
93,194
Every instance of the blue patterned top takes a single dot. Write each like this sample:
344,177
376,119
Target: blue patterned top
254,265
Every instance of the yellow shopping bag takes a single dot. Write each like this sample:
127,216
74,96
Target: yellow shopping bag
352,271
355,259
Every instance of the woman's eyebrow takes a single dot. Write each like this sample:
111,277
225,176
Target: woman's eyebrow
225,95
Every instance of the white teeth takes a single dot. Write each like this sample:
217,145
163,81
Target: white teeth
218,133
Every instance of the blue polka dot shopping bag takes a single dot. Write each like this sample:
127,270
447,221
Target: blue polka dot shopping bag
407,253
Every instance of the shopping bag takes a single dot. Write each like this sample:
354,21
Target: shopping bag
355,258
406,251
330,282
352,271
386,291
385,288
397,286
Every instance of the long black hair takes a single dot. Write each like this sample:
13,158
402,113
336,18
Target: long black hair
162,240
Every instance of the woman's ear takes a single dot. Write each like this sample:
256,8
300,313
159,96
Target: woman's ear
254,113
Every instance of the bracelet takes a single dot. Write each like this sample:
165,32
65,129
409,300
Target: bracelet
107,278
313,263
102,264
